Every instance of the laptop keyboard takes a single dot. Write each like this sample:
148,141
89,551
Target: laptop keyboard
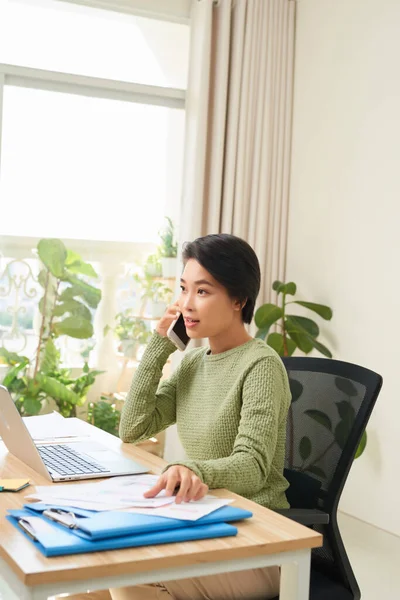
67,461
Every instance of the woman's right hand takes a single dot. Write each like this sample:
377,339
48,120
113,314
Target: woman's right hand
173,311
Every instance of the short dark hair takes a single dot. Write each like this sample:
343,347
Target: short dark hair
232,262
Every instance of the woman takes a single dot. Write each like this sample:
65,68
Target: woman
229,400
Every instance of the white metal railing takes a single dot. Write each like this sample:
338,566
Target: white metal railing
20,293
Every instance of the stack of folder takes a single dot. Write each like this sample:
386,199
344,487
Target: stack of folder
59,530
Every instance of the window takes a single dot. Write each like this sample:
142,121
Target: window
111,169
91,140
107,153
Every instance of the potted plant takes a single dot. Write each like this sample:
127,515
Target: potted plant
155,296
66,308
168,249
301,333
153,266
131,331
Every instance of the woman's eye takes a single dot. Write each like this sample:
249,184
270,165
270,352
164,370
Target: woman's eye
202,292
182,288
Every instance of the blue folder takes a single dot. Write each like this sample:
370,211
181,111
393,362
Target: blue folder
102,525
56,540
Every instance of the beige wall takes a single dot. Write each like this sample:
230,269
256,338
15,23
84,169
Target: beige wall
344,242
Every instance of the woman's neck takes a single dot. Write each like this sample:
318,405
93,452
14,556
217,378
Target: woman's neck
229,339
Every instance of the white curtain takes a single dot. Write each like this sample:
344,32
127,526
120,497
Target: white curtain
238,133
238,126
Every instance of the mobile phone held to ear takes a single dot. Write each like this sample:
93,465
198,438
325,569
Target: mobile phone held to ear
177,333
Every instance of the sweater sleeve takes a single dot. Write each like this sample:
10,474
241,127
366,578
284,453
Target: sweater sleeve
150,406
264,405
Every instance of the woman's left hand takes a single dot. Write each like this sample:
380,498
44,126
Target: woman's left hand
190,485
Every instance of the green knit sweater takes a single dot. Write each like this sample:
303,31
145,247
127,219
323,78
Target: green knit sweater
230,409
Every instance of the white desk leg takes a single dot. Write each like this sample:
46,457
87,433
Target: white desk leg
11,588
295,577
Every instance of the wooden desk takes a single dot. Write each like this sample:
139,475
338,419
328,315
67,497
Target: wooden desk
266,539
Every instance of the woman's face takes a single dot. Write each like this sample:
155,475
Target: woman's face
205,305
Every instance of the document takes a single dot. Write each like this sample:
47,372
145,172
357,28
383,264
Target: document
125,493
189,511
115,493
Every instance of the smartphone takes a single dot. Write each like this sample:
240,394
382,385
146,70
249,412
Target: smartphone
177,333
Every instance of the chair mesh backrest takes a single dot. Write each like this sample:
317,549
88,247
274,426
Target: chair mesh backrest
323,411
328,414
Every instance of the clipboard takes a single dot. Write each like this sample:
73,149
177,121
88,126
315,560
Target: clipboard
53,539
109,524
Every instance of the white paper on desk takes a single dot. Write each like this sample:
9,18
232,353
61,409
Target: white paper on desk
190,511
51,426
110,494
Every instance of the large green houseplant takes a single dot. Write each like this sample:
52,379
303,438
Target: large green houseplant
298,333
66,310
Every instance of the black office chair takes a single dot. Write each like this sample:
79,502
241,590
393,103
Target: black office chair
331,404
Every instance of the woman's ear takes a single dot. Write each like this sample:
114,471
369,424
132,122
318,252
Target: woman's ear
239,304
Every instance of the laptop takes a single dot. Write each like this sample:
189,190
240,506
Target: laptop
59,461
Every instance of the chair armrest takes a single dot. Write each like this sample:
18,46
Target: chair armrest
305,516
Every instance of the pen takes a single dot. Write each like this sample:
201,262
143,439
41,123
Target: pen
27,527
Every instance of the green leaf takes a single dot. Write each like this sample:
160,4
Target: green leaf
301,336
296,389
262,333
305,447
17,386
12,358
50,358
343,428
361,445
346,386
290,288
323,311
276,285
316,471
82,268
89,293
301,341
275,340
320,417
13,372
56,390
72,257
321,348
76,327
74,307
304,324
53,254
42,277
32,406
266,315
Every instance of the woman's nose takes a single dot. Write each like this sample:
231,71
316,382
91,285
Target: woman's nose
187,302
